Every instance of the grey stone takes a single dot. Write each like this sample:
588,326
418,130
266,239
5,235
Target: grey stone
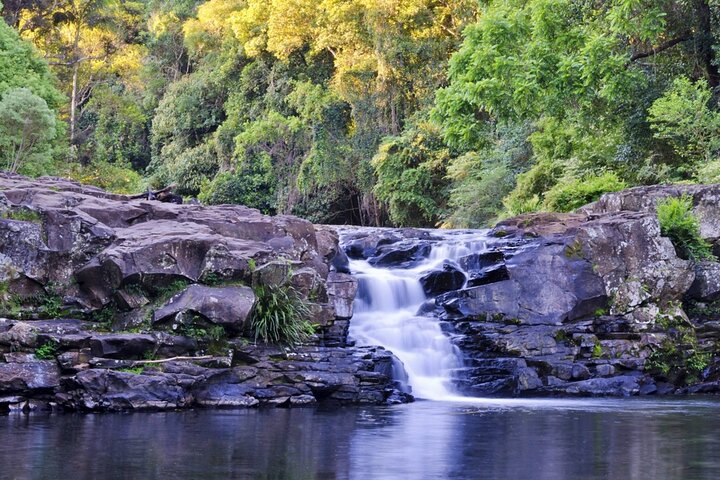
229,306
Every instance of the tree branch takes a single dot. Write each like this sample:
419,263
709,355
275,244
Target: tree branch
662,47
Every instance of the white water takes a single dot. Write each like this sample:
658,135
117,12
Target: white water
385,314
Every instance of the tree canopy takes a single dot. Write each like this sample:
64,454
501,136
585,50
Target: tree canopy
385,112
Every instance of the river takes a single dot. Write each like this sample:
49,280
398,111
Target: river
494,439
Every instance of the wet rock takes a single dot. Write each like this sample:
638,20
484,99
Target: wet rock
122,345
404,255
101,390
620,386
365,244
441,281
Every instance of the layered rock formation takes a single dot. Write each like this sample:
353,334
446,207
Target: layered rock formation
595,302
108,303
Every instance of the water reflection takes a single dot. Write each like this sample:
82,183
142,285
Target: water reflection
537,439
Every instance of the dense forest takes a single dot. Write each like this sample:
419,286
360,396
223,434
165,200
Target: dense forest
376,112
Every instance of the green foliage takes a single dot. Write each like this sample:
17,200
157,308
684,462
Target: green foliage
120,133
22,67
570,194
52,304
47,351
253,187
23,215
134,370
27,131
116,177
280,316
480,180
679,223
682,117
597,351
680,363
104,316
411,175
163,293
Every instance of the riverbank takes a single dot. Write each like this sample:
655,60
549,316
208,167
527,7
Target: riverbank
117,303
110,302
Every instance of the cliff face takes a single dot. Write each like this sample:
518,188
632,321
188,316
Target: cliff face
596,303
99,292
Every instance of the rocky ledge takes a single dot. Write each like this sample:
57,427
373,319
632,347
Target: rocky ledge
109,302
595,302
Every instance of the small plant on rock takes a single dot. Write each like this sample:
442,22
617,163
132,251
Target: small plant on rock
47,351
682,227
280,316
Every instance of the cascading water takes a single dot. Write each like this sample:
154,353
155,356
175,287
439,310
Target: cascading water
386,314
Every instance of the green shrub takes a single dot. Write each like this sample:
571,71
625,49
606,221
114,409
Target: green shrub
678,223
280,316
47,351
573,194
118,177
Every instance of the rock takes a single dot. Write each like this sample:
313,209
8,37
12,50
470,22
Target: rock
99,249
341,289
99,390
706,286
365,244
29,377
122,345
229,306
441,281
275,273
605,370
621,386
21,334
403,255
545,287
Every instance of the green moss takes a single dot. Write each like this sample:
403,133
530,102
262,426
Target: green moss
574,250
561,336
133,370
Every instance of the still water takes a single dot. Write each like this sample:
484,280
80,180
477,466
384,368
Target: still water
493,439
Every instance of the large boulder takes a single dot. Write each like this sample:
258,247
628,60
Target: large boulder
440,281
229,306
545,287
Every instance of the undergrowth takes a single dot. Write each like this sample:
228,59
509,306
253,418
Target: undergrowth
682,227
280,316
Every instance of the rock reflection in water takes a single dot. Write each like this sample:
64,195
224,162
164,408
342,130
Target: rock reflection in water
494,439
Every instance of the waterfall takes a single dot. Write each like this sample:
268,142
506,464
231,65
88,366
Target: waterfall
386,314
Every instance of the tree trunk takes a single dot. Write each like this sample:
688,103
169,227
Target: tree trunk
73,102
704,42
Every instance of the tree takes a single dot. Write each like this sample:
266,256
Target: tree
85,41
27,129
21,66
